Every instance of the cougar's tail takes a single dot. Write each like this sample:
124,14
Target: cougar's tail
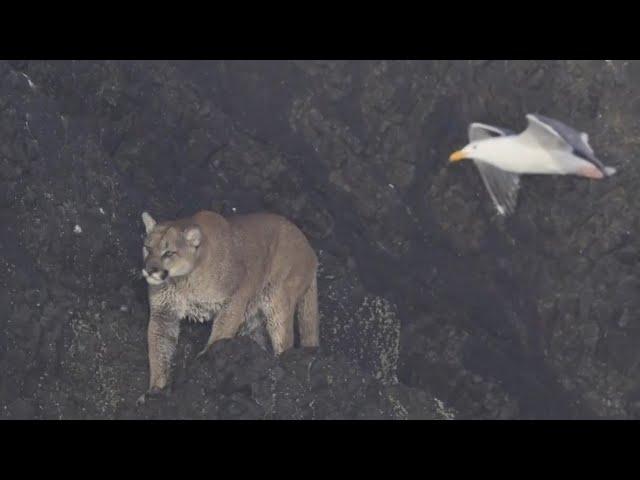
308,321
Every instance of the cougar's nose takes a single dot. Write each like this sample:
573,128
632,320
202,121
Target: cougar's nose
150,271
155,272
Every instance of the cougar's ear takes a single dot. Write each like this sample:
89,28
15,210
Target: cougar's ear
149,222
193,235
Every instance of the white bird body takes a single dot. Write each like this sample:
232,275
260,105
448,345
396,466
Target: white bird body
511,155
546,147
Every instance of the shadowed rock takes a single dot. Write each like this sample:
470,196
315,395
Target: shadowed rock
529,317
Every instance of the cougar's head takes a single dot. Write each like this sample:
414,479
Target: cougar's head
169,250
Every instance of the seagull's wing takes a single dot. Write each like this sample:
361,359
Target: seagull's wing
543,135
481,131
503,186
577,141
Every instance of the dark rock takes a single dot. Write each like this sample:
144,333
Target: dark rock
420,282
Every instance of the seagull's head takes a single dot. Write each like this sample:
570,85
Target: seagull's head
487,150
473,150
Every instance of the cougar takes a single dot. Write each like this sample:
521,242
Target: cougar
207,265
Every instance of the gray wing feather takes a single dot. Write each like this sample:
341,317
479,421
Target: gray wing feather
575,140
481,131
540,133
503,187
585,140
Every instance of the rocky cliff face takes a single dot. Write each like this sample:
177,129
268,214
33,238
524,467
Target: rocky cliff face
432,307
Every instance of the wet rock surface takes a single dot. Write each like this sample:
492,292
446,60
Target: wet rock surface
431,305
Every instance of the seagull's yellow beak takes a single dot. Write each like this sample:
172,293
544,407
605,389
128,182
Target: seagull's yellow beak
456,156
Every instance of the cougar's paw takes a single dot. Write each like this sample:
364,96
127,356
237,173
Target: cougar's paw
153,392
203,351
142,399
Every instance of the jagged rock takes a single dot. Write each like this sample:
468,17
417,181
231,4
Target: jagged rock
430,303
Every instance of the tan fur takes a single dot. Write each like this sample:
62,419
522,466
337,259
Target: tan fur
229,267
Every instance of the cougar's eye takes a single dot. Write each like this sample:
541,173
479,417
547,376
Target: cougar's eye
168,254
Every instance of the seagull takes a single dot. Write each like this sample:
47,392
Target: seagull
545,147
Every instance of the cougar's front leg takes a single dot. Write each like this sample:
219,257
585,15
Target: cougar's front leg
228,321
162,336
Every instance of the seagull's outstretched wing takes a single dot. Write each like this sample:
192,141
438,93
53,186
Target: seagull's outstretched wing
541,134
578,141
554,134
503,186
481,131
